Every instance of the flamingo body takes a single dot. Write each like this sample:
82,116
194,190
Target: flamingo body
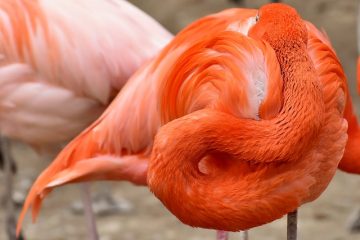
183,139
62,62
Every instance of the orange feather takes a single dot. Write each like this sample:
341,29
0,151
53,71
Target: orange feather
351,162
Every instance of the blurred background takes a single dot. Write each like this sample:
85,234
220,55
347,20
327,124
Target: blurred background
144,217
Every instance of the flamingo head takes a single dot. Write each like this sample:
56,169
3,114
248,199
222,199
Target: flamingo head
279,25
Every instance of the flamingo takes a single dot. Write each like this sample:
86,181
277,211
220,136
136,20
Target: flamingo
62,63
237,122
350,162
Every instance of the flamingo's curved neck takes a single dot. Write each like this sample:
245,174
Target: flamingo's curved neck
302,113
280,139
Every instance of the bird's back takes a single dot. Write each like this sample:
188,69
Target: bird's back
62,62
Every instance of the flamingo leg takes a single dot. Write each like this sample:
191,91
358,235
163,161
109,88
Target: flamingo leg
89,213
244,235
292,225
107,205
354,222
10,221
222,235
103,203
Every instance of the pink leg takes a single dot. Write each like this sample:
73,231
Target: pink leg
222,235
89,213
244,235
10,221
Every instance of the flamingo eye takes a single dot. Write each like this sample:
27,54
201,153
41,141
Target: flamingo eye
257,18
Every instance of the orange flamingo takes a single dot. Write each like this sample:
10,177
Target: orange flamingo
62,62
350,162
236,123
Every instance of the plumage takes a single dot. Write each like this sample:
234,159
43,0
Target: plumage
63,61
350,162
212,78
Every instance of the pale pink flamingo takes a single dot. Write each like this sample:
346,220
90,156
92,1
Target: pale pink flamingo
62,62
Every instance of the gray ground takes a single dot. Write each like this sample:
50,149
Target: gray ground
323,219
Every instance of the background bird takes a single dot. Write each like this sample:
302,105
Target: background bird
186,77
62,63
351,162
